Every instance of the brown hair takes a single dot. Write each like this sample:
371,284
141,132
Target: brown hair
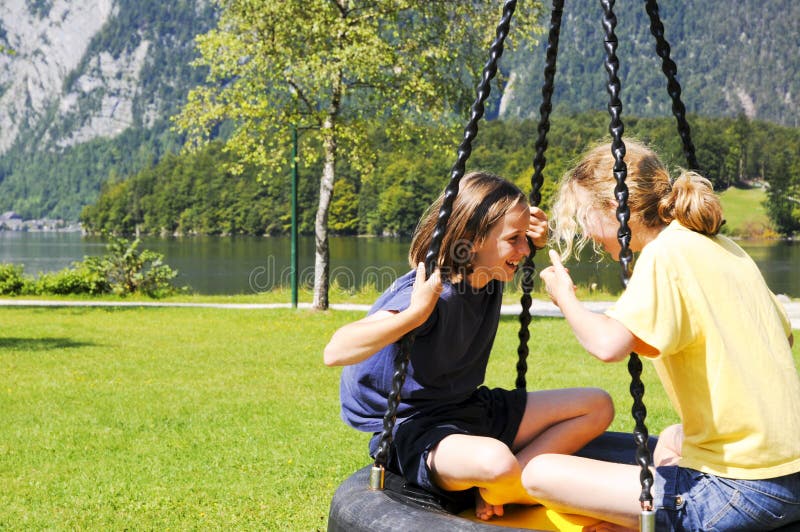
483,199
654,200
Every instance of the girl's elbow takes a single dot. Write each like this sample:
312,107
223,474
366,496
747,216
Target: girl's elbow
609,353
331,357
617,345
607,358
616,356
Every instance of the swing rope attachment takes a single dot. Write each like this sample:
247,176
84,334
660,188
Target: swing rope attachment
616,129
537,179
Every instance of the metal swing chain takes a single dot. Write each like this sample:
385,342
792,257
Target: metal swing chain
451,191
670,70
537,179
616,128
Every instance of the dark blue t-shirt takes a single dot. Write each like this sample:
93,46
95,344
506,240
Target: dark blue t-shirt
448,358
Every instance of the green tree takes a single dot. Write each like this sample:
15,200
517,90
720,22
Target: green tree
344,208
336,68
783,203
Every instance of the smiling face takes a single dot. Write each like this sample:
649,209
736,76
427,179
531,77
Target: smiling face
482,202
505,246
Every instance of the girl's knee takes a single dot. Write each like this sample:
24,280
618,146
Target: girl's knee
602,398
600,407
668,448
538,472
497,462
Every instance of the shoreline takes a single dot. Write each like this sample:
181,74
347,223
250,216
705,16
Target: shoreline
47,225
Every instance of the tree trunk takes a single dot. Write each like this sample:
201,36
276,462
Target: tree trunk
322,253
328,130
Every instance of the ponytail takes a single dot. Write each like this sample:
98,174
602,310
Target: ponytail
693,204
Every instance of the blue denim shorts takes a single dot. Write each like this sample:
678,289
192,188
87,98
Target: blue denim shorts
688,500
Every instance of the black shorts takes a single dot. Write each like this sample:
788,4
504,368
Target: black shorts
495,413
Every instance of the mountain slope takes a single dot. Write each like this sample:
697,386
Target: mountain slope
99,74
88,88
732,57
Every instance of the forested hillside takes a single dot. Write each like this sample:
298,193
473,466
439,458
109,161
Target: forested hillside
733,58
194,195
88,87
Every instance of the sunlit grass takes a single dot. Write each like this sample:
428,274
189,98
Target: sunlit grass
745,213
187,418
169,418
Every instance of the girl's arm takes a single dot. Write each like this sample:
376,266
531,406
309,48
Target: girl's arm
361,339
602,336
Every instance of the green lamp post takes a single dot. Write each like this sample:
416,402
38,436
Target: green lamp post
294,217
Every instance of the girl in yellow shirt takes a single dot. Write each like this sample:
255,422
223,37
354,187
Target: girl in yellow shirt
697,305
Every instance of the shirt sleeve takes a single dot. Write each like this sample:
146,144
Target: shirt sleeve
653,306
398,299
784,317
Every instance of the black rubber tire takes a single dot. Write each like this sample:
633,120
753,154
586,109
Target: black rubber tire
355,508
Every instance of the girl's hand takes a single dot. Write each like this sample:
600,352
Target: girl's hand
425,292
557,280
538,230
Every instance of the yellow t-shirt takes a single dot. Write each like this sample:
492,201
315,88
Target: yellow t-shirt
724,357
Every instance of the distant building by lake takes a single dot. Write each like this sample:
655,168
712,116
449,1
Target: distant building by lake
11,221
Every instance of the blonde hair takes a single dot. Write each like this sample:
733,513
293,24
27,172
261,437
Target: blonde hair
654,200
483,199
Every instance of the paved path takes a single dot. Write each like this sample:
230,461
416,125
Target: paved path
538,307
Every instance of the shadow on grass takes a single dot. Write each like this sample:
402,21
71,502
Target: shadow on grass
40,344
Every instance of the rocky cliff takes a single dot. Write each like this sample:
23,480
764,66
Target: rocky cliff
52,76
79,71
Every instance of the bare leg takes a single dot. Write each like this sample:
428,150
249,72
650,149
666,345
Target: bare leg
461,462
609,527
562,421
572,484
555,421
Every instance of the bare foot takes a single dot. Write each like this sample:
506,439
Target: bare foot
485,511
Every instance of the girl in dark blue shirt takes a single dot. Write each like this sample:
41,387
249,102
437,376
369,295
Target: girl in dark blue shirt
453,433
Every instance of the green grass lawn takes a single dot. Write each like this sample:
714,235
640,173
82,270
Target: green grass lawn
745,214
196,418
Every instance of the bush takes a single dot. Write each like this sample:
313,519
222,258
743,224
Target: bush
129,271
81,279
123,271
12,281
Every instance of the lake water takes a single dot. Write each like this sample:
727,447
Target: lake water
246,265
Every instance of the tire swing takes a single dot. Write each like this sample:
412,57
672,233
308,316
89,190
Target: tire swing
374,498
